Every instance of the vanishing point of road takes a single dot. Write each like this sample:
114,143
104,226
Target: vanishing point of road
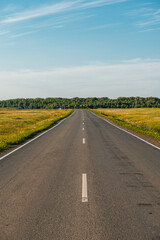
82,180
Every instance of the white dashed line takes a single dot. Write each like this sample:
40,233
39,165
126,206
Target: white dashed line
84,188
84,141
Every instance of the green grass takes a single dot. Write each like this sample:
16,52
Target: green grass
141,120
19,125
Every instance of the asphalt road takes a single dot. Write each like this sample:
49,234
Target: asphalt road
41,193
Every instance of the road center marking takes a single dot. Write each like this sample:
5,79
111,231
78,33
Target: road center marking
84,141
83,129
84,188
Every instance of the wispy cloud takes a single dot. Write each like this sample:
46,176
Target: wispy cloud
22,34
147,18
129,78
104,26
3,32
10,8
148,3
151,19
150,30
5,44
99,3
51,16
140,11
56,8
51,23
56,22
39,12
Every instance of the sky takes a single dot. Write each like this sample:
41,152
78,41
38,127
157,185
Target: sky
81,48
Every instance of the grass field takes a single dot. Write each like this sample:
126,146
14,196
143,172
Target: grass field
141,120
18,125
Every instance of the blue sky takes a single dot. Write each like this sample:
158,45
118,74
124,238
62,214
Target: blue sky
79,48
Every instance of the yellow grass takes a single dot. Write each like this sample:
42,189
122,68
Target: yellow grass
17,125
143,120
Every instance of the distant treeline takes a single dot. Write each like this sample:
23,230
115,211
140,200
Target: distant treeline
64,103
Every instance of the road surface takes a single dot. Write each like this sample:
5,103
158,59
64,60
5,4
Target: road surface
83,180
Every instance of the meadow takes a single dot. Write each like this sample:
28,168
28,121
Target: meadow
18,125
141,120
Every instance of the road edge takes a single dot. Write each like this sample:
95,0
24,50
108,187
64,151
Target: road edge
39,135
124,130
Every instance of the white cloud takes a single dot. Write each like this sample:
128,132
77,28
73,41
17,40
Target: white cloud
6,43
129,78
100,3
21,34
39,12
60,21
9,8
110,25
72,11
3,32
56,8
149,18
150,30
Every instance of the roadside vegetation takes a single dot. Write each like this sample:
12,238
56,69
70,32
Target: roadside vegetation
90,102
141,120
18,125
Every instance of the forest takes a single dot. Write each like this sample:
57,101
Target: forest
76,102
